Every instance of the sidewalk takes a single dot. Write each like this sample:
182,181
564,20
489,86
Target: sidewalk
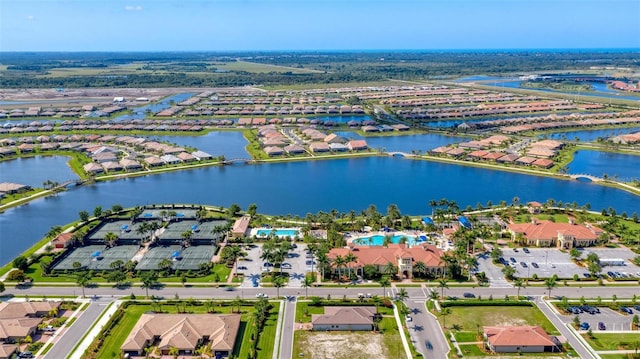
95,330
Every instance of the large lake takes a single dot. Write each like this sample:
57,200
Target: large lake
622,166
34,171
303,187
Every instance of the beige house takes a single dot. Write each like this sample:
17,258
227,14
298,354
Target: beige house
241,226
344,318
186,332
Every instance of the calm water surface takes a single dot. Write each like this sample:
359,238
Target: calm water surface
35,170
231,144
598,163
303,187
592,135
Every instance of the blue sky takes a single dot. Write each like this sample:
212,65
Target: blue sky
227,25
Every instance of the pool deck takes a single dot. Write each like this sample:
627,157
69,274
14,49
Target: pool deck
351,237
254,232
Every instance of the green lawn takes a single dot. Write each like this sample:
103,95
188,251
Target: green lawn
391,339
470,350
470,318
112,343
610,341
466,337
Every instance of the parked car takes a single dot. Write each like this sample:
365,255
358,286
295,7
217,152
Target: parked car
242,267
601,326
513,260
49,328
285,266
261,295
469,295
267,264
26,354
534,265
636,307
626,310
526,250
310,262
408,318
515,249
523,264
584,326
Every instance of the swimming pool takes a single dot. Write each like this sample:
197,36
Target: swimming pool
280,232
377,240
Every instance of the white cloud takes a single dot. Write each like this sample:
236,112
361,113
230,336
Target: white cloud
133,7
30,17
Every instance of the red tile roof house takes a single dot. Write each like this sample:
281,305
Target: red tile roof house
563,235
344,318
241,226
398,254
62,241
520,339
356,145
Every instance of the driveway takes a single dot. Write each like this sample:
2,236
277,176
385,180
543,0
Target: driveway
493,272
289,317
423,329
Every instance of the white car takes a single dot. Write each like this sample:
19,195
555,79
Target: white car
261,295
408,318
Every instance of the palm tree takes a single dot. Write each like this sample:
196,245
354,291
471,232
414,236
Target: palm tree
550,283
386,241
186,236
402,294
444,312
148,279
306,283
390,269
339,262
82,280
519,283
165,264
420,268
442,283
384,282
278,282
350,258
110,238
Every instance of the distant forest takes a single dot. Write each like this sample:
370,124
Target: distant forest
191,69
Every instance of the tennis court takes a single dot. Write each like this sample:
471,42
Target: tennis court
199,231
156,213
188,258
124,230
96,257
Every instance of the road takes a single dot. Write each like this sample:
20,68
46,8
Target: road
73,334
288,322
577,345
424,328
572,291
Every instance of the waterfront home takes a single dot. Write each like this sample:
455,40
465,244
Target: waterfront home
357,145
519,339
403,257
541,152
338,147
129,164
344,318
186,332
93,168
186,157
112,166
170,159
544,233
273,151
293,149
319,147
241,226
153,161
543,163
333,138
10,188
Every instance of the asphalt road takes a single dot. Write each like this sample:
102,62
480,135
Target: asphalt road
424,328
73,334
288,322
335,292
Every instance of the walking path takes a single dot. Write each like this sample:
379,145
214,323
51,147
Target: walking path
276,349
405,344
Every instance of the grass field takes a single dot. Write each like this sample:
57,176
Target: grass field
469,319
350,345
611,341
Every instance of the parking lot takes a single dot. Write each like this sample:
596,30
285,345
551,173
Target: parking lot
549,261
612,320
295,264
